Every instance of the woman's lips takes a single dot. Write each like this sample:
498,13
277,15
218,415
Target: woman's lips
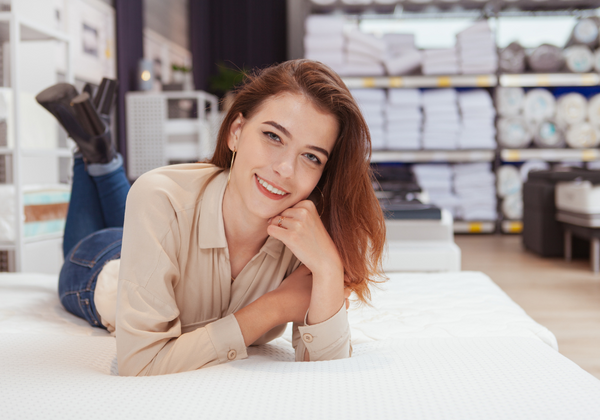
268,193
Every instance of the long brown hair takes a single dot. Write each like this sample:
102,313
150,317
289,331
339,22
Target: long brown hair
349,209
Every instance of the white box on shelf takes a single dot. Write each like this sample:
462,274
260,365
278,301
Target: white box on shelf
421,245
578,197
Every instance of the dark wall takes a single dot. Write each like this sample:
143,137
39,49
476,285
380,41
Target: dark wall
241,33
130,49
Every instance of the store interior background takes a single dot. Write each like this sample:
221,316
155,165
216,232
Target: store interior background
200,35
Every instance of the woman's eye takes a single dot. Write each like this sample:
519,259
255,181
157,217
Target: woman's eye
312,157
273,136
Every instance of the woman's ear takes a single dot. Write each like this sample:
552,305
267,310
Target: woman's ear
234,132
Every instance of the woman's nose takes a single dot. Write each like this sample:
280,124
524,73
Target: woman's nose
285,166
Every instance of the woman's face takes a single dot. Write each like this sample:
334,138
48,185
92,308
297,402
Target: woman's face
281,153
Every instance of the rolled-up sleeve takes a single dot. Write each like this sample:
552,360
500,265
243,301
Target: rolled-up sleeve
327,340
148,326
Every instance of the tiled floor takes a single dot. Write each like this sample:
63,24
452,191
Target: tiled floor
564,297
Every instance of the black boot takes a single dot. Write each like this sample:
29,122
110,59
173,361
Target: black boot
81,121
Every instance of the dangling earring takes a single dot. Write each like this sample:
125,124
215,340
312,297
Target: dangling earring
322,200
231,166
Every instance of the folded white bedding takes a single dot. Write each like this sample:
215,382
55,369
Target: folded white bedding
450,346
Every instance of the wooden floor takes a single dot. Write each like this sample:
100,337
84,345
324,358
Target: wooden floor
564,297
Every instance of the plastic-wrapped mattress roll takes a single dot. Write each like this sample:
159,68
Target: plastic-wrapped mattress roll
512,58
582,135
509,101
594,110
546,59
539,105
579,58
513,133
571,109
508,180
546,134
512,207
597,60
585,32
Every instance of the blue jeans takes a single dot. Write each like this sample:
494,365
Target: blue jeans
93,233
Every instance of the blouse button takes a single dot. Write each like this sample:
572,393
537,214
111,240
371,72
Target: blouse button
308,338
231,354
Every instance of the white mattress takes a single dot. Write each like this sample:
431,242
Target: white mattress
447,346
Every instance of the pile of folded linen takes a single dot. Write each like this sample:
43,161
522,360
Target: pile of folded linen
474,186
477,49
403,119
440,61
402,56
442,121
324,40
478,113
364,54
436,182
372,103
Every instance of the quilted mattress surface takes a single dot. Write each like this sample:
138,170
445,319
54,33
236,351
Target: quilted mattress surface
432,346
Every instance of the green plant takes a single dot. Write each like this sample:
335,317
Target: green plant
182,69
226,78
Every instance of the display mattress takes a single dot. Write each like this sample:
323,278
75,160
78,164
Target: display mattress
431,346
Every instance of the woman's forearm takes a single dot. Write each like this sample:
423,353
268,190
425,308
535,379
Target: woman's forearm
327,295
259,317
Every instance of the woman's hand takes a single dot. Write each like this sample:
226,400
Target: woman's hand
300,228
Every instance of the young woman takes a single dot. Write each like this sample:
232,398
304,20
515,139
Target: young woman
278,227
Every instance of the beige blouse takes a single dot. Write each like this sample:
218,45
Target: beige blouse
172,304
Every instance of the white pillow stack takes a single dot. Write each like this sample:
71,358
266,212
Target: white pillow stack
372,103
436,181
324,40
478,114
474,187
364,54
477,49
442,121
402,56
403,119
440,61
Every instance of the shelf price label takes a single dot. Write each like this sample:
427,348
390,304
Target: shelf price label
512,155
588,155
444,81
589,79
542,80
483,81
514,227
396,82
475,227
368,82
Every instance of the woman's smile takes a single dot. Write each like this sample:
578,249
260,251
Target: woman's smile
269,189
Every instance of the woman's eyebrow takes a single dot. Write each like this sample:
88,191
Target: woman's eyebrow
319,149
279,127
287,133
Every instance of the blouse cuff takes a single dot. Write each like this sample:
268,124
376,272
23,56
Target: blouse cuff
227,339
322,337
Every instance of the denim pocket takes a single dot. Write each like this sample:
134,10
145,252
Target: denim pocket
93,247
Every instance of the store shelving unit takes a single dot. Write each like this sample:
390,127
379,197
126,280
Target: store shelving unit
414,156
433,156
549,79
17,29
457,80
416,9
